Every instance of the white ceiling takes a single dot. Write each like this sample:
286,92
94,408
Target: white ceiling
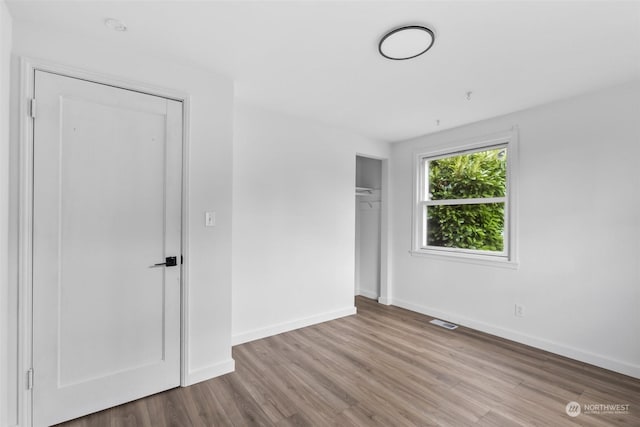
319,59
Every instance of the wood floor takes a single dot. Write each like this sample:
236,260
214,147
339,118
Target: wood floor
386,366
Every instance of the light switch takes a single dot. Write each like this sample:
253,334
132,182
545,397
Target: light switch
210,219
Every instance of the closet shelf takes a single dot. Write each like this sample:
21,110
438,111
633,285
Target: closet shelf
364,191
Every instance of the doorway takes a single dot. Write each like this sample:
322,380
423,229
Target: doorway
106,241
368,207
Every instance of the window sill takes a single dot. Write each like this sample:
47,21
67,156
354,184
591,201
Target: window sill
467,258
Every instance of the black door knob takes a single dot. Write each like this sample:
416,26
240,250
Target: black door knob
169,261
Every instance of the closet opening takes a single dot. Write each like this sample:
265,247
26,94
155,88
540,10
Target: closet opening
369,215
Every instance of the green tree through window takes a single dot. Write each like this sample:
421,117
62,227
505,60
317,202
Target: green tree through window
466,197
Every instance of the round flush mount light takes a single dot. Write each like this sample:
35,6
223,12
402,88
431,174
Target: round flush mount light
115,25
406,42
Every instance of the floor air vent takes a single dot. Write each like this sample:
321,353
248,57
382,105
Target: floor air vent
444,324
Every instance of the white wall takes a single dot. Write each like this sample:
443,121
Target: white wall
210,177
294,222
579,234
368,248
5,60
368,172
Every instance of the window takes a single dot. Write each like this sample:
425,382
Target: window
463,201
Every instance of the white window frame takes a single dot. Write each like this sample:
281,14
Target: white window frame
508,257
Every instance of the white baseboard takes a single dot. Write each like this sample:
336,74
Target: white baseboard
540,343
384,301
210,371
279,328
367,293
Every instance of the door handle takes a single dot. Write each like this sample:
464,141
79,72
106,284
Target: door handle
169,261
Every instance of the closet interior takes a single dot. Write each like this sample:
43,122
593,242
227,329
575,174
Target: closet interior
368,204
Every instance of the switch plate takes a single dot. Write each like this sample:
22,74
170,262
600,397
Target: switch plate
210,219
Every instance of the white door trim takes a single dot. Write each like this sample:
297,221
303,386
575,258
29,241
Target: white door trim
28,67
385,253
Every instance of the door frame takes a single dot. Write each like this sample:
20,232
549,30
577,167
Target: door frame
28,67
385,253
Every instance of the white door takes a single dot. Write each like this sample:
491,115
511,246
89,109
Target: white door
106,208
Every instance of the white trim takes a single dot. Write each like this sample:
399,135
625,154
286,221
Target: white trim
448,148
385,233
209,372
508,257
25,241
385,230
356,255
184,297
599,360
475,201
466,257
105,79
384,301
28,67
366,293
279,328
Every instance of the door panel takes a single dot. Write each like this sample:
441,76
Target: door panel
107,197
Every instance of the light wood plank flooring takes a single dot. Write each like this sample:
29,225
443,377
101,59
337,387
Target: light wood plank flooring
386,367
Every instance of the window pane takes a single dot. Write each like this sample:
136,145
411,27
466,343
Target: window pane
476,226
467,176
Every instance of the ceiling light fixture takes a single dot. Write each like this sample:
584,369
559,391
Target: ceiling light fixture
406,42
115,25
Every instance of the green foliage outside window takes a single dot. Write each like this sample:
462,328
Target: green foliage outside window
468,226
